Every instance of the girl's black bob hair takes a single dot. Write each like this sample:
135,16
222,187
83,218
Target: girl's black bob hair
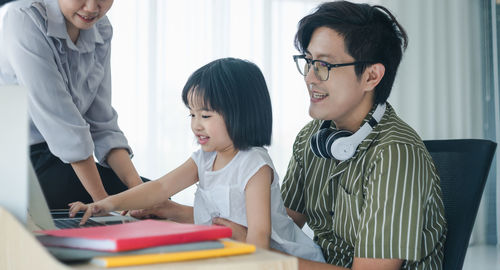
237,90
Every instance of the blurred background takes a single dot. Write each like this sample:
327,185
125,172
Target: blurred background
447,85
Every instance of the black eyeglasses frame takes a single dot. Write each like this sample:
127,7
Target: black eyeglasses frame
329,66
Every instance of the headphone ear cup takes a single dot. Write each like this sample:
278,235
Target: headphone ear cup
318,143
335,145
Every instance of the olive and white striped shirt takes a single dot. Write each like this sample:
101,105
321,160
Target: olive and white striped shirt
385,202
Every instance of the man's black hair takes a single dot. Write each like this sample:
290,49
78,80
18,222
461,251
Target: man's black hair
371,33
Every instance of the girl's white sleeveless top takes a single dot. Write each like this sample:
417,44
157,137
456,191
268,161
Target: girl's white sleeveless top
221,193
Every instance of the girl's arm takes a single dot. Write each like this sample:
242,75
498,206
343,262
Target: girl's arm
258,205
142,196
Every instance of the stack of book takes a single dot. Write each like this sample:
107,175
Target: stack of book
141,242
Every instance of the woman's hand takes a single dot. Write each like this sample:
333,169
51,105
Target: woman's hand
239,231
98,209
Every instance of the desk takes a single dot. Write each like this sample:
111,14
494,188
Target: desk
20,250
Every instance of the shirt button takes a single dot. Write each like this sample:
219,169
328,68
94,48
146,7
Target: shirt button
331,213
315,238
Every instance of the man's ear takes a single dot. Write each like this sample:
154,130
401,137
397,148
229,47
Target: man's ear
373,75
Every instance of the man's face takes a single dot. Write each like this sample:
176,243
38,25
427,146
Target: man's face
339,97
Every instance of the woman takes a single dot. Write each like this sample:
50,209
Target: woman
60,51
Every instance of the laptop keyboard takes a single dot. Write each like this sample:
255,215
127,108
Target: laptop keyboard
75,223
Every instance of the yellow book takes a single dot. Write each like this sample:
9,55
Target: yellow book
230,248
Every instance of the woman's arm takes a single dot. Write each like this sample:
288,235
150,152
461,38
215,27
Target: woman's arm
86,170
119,160
258,205
142,196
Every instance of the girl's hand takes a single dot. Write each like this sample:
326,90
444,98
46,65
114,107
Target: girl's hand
150,213
166,210
239,231
98,208
140,214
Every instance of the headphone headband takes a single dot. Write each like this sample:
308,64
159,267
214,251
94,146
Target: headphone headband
342,144
379,112
364,130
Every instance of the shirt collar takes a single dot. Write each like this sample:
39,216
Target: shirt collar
367,142
56,27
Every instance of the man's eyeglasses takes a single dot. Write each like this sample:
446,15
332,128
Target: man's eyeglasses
321,68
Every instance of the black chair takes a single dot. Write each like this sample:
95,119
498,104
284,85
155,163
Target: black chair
463,167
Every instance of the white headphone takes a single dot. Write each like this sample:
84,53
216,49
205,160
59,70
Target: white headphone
342,144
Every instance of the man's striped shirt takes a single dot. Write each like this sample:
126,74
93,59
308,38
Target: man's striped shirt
385,202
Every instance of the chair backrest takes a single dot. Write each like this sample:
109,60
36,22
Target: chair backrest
463,167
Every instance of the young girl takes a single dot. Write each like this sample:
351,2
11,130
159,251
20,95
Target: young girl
231,117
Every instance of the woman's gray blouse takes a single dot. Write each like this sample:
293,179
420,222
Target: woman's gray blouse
69,84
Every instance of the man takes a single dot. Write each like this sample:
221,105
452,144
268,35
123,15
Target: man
376,205
382,207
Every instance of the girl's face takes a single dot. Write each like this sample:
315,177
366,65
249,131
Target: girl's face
210,129
83,14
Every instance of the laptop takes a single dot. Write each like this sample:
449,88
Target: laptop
14,144
48,220
20,189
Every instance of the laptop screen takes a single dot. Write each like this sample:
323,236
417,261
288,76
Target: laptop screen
14,143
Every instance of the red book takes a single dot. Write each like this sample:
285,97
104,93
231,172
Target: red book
133,235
